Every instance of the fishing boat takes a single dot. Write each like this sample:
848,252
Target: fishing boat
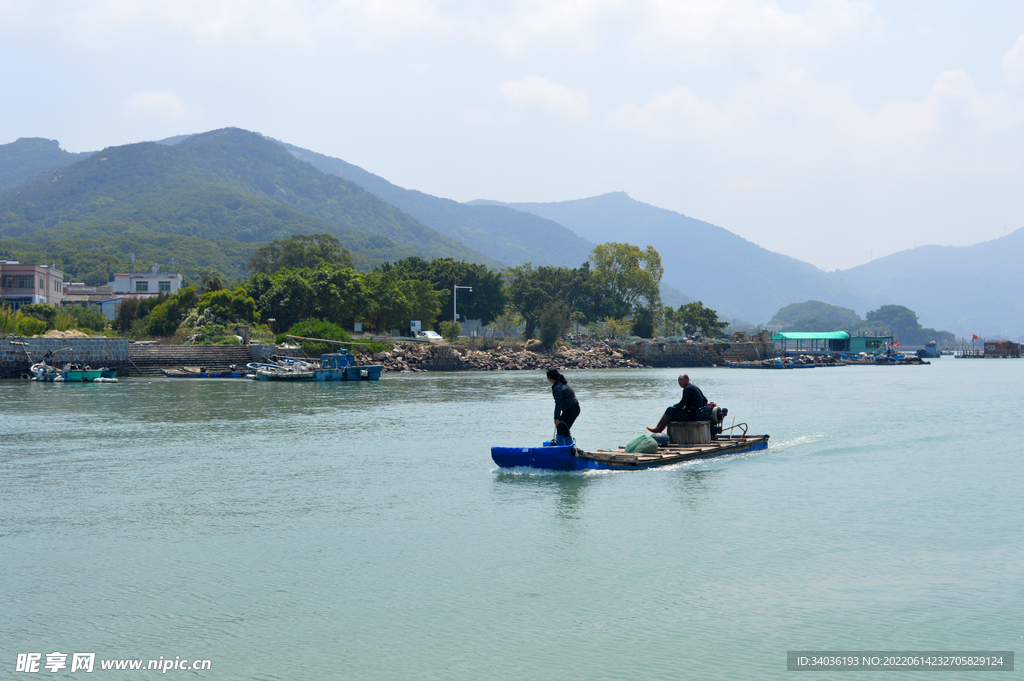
334,366
42,371
266,371
571,458
202,372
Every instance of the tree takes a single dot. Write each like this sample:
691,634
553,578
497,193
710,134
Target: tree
300,251
643,322
617,328
337,295
230,305
530,290
487,299
164,318
554,322
671,321
695,317
897,319
210,280
577,317
633,274
505,322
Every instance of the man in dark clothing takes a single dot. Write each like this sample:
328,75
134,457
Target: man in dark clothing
686,409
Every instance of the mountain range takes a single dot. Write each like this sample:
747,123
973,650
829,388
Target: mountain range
211,199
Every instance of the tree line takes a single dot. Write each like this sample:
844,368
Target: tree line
311,277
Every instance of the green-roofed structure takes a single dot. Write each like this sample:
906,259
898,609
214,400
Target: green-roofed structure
814,342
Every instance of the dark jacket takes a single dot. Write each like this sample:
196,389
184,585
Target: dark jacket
564,396
693,400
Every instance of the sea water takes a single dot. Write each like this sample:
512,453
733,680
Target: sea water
361,530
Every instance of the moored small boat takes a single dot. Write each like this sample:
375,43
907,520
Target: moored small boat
202,372
42,371
335,366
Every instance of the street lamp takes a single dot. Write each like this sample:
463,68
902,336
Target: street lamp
455,301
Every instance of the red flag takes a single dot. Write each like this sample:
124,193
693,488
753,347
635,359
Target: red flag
897,345
975,337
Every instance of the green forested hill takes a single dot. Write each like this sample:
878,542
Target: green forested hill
29,156
503,233
230,188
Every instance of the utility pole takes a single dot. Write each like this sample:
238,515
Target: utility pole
455,301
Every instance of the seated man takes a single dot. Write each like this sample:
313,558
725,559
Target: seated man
687,409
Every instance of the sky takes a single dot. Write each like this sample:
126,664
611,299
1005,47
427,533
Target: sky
832,131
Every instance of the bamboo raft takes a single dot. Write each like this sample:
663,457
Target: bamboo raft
571,458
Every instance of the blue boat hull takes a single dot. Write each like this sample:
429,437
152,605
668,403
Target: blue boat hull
568,458
350,373
551,457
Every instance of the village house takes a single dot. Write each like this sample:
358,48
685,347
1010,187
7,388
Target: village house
23,284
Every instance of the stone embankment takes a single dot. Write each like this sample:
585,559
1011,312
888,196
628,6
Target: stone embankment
423,357
412,357
662,353
17,354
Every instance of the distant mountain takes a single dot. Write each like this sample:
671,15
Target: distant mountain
505,234
224,185
965,289
26,157
707,263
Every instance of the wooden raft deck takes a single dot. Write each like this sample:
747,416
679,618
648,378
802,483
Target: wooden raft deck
670,454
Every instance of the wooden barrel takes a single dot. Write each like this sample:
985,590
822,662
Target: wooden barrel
689,432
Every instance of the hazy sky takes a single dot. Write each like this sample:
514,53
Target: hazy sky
829,130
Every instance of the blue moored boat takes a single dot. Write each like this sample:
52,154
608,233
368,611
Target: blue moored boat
571,458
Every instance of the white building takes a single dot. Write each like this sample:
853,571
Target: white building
153,283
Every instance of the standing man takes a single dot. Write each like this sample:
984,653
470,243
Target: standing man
686,409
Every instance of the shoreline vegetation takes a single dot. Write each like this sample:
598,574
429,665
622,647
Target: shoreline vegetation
306,286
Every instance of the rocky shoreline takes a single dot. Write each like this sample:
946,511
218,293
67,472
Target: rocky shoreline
417,357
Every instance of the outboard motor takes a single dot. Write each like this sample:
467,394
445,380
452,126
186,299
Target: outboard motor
716,415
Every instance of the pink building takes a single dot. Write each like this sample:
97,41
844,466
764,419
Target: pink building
22,284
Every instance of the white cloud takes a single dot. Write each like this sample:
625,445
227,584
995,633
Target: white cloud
535,92
293,24
1013,63
676,113
159,105
799,116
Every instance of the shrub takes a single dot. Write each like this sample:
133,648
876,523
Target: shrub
319,328
450,331
87,317
30,326
42,311
8,319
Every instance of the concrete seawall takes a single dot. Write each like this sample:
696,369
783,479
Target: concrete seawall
666,354
17,354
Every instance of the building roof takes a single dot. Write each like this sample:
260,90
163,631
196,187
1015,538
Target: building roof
811,335
86,297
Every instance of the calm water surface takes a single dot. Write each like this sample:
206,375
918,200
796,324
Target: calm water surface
336,531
